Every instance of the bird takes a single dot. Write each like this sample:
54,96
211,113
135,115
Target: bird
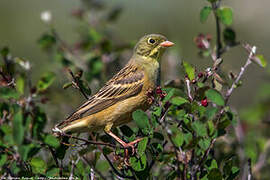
124,93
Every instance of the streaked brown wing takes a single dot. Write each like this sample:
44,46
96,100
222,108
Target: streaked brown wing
127,83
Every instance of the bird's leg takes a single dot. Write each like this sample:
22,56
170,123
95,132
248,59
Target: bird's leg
124,144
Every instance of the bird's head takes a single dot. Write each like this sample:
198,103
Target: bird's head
152,45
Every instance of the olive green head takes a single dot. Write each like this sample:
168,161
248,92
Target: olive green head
152,45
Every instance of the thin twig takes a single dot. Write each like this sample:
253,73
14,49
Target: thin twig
249,170
234,85
77,84
188,89
262,159
215,6
72,170
70,53
115,170
206,153
92,167
88,141
54,156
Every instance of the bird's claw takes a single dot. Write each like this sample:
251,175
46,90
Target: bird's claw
132,146
56,131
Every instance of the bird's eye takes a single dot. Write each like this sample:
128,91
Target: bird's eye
152,41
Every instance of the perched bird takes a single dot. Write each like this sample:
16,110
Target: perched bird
126,92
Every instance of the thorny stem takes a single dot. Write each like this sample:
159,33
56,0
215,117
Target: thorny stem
234,85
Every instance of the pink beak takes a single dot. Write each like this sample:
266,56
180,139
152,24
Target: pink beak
166,44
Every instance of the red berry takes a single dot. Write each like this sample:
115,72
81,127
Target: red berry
158,90
200,75
204,102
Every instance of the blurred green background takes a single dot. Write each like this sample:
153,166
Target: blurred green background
21,27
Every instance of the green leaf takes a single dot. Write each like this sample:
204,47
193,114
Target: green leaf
213,164
211,127
142,146
24,150
138,164
38,165
205,11
178,101
46,41
170,93
177,136
3,159
95,36
126,130
53,172
199,128
18,130
226,15
4,51
157,147
141,119
52,141
215,97
20,84
211,112
204,143
7,93
214,174
260,60
189,70
229,36
157,111
67,85
158,136
102,166
14,168
45,81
